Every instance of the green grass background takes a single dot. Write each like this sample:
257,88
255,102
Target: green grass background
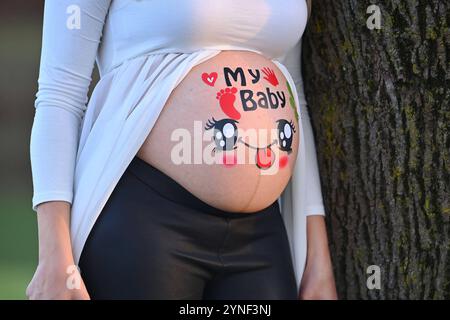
18,245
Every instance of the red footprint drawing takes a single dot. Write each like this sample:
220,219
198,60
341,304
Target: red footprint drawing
270,76
226,98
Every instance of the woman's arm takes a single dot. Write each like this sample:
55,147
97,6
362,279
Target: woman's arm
318,279
56,264
71,35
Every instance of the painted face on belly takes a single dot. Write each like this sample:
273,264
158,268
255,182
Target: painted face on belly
255,117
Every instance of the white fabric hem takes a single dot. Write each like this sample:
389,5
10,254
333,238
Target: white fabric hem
39,198
318,210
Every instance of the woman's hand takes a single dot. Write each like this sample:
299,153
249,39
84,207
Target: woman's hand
318,279
57,279
56,275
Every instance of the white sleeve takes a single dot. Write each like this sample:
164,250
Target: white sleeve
313,198
71,35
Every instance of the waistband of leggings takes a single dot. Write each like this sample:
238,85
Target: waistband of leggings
173,191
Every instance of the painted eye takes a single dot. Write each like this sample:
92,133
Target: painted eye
225,133
285,134
229,130
287,131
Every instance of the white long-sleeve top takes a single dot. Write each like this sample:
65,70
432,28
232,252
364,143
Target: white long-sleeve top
143,48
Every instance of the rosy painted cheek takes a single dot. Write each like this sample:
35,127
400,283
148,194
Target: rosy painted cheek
283,161
229,160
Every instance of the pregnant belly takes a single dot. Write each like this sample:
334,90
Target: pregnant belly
228,132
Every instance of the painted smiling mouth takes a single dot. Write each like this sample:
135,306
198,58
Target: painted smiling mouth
265,157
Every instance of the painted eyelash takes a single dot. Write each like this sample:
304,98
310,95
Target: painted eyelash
292,126
210,124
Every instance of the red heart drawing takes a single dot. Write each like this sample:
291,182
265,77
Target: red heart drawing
209,79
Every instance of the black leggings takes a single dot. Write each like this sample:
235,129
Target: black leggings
155,240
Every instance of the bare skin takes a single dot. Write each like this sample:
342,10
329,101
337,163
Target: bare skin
55,255
243,187
318,278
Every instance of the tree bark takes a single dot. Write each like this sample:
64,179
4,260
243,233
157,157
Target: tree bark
379,105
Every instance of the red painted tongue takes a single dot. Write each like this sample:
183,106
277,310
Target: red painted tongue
265,158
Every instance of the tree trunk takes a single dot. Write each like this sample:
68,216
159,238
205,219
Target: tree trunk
379,105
